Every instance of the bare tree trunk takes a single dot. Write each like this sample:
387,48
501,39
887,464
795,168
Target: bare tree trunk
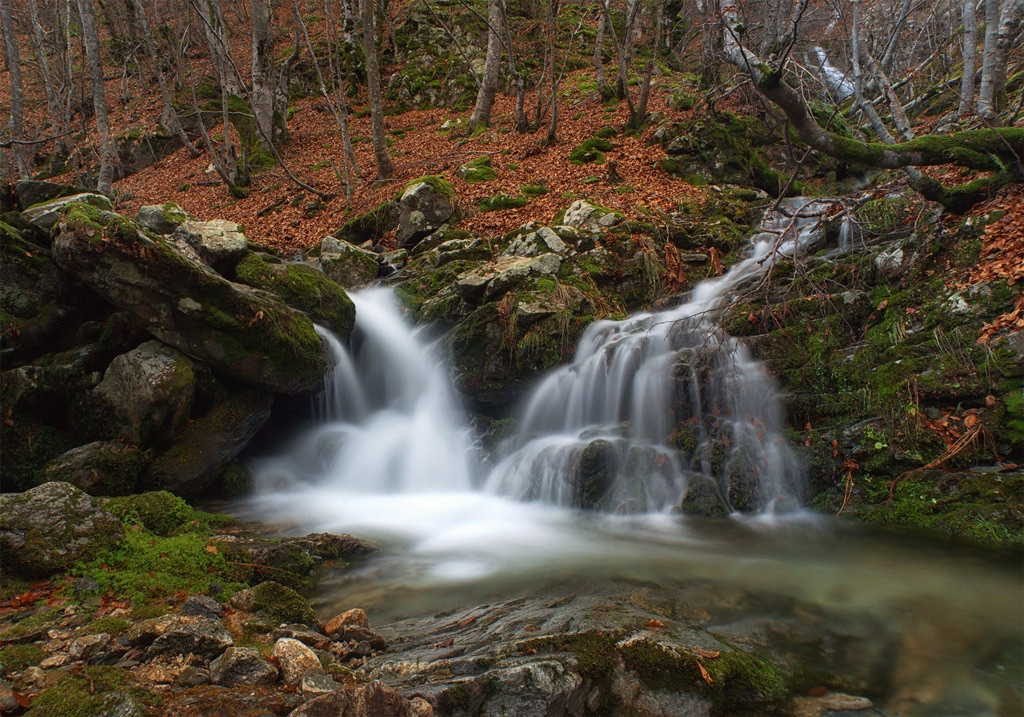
553,125
342,115
108,152
970,55
263,69
492,65
380,147
165,93
217,39
58,117
639,118
17,95
710,43
603,89
284,77
1001,29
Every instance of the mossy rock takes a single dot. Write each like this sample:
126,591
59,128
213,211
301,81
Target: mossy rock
15,658
97,690
591,151
533,190
500,202
100,468
302,287
159,512
477,171
283,605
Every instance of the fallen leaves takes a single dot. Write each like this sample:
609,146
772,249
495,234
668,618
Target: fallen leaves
704,673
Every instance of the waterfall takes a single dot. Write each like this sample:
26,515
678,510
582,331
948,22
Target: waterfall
651,407
388,420
660,400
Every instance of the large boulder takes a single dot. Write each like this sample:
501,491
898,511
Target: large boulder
51,527
582,214
45,215
301,287
242,666
147,392
346,264
162,218
424,206
34,191
210,443
98,468
217,243
239,332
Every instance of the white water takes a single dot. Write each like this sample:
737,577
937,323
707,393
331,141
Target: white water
391,459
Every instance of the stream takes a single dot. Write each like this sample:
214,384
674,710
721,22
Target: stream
393,459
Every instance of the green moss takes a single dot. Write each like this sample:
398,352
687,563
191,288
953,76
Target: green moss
97,690
159,512
606,132
436,182
15,658
500,202
594,651
283,604
113,626
591,151
477,171
533,190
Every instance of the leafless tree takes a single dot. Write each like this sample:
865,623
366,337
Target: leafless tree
108,151
17,93
380,147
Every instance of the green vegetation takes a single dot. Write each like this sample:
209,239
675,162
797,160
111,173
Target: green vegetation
15,658
502,201
591,151
477,171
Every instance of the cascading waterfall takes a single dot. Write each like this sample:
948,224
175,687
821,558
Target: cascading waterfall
656,401
388,422
650,405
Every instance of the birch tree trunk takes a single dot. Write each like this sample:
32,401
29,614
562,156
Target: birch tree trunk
263,70
1001,30
217,40
17,95
492,65
603,89
380,147
108,152
970,55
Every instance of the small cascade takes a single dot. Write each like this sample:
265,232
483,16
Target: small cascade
652,404
388,422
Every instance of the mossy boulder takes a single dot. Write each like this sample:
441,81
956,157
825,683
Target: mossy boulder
51,527
277,602
346,264
371,225
162,218
591,151
217,243
98,468
209,444
477,171
34,191
302,287
582,214
239,332
45,215
424,206
159,512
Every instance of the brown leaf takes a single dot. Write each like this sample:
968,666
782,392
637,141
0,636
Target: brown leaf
447,643
468,621
211,549
884,303
709,654
704,673
655,624
22,699
990,400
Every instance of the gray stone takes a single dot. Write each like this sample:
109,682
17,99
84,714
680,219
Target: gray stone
370,700
105,468
303,634
294,659
51,527
581,214
34,191
162,218
45,215
202,606
242,666
217,243
239,332
149,390
88,646
193,677
346,264
422,209
198,635
493,279
318,683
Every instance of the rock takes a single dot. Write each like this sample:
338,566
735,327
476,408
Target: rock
51,527
202,606
148,391
535,689
892,261
87,647
144,633
424,206
277,602
218,243
194,676
461,250
211,443
237,331
34,191
8,704
346,264
595,474
162,218
98,468
293,659
158,511
318,683
198,635
242,666
302,287
370,700
355,616
359,636
495,278
581,214
534,242
45,215
370,226
305,635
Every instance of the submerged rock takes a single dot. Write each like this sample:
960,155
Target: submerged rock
51,527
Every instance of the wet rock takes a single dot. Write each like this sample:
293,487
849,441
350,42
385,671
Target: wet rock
148,391
318,683
346,264
355,616
423,208
370,700
536,689
595,474
218,243
237,331
301,287
202,606
87,647
242,666
51,527
303,634
293,659
162,218
45,215
277,602
100,468
211,443
198,635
